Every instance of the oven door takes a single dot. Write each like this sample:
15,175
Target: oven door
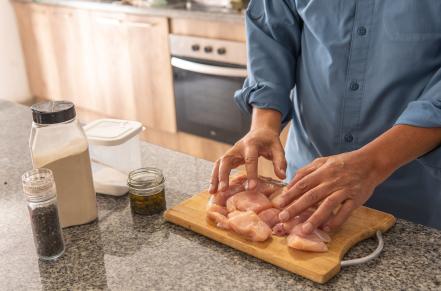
204,99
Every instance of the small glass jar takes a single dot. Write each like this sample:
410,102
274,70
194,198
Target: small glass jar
146,191
40,192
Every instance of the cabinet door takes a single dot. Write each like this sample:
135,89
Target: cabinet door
151,71
35,32
66,53
23,14
85,65
112,61
41,24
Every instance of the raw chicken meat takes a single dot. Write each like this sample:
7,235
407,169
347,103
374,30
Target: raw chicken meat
249,225
237,185
284,228
255,215
267,186
218,214
248,200
314,242
270,216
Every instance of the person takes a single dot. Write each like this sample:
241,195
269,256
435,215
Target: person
360,83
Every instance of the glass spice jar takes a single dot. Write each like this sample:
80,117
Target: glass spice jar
40,192
146,191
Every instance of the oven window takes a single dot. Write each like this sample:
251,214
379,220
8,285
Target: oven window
205,105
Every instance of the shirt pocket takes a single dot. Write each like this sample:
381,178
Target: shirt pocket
256,9
412,20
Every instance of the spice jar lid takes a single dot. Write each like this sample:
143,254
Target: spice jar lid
52,112
146,181
38,184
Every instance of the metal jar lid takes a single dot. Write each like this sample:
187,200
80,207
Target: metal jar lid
52,112
146,181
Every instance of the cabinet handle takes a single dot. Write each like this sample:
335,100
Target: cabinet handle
140,24
108,21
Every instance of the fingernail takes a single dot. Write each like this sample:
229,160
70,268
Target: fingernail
282,171
283,216
326,228
307,227
211,188
222,186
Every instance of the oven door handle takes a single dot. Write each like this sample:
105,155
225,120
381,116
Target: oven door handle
207,69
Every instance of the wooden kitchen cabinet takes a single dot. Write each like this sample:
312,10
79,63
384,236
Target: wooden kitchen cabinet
34,26
151,71
66,55
108,62
113,74
132,54
209,29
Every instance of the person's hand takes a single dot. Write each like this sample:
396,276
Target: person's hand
257,142
337,184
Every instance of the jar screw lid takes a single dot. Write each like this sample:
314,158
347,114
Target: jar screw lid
52,112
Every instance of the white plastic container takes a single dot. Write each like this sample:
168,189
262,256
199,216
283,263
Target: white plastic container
114,151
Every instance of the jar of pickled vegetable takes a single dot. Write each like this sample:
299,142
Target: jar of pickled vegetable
147,191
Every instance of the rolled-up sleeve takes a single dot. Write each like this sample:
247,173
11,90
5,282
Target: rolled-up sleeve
426,112
273,44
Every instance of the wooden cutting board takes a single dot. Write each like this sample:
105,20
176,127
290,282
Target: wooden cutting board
318,267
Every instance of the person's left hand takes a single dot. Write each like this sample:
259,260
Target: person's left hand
339,184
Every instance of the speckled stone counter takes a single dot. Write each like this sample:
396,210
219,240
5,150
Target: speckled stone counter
125,252
172,11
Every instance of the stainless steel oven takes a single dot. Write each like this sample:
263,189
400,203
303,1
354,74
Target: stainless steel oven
206,74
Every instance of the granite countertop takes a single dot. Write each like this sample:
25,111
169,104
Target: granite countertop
175,10
122,251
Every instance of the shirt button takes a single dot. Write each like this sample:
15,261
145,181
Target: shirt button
349,138
354,86
361,30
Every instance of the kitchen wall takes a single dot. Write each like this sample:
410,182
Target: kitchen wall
13,80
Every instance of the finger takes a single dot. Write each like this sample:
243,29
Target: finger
323,212
251,163
224,172
301,187
342,215
306,170
279,161
309,199
214,178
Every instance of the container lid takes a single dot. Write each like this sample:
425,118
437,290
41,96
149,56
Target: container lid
111,132
52,112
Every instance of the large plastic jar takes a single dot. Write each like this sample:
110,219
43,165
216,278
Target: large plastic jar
58,143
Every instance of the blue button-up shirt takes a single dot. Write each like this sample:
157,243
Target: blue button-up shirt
345,71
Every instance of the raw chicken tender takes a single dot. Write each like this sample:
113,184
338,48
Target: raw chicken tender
270,216
314,242
237,185
218,214
248,200
285,228
255,214
267,186
249,225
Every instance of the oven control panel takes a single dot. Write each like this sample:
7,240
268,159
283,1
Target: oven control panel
209,49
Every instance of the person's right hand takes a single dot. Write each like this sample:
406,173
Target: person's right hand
261,140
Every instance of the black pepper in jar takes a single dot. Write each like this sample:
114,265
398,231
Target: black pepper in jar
46,229
39,188
147,191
